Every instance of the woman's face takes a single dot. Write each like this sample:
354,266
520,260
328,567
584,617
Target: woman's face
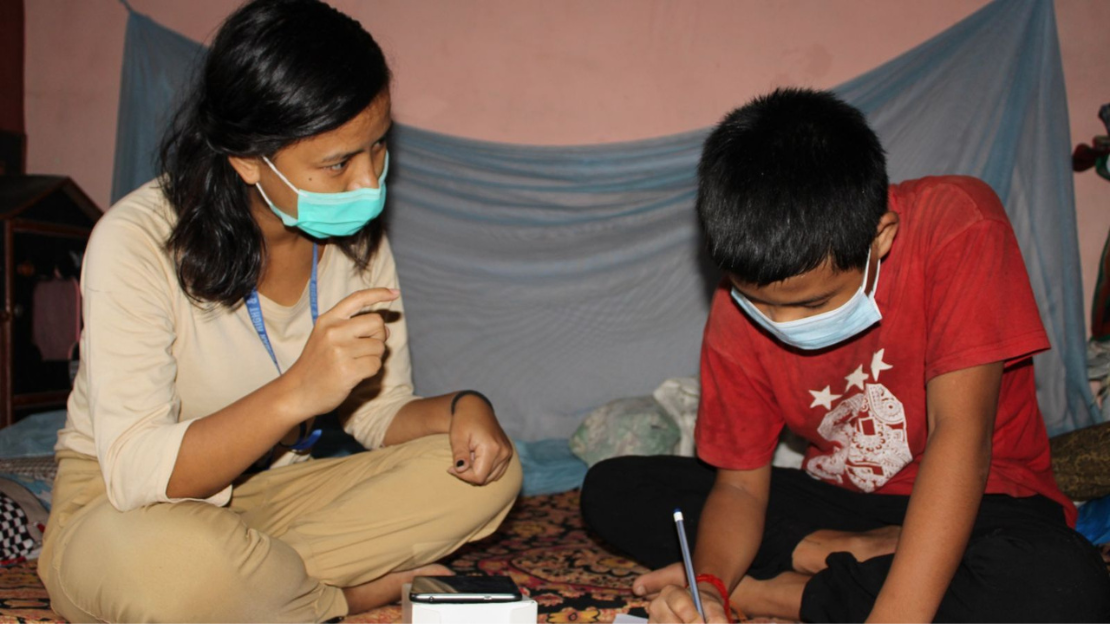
345,159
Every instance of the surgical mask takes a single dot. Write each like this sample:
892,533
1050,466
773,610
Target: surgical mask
332,214
825,329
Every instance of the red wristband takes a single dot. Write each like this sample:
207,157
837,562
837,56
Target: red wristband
719,585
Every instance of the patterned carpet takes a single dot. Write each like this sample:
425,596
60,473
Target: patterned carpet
22,596
542,545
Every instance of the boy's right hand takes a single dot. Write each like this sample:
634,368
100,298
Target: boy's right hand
675,604
345,347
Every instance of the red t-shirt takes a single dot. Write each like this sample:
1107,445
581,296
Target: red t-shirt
954,294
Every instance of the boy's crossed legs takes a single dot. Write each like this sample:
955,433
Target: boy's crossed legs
781,596
826,551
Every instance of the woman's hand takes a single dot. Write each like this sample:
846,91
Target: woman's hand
345,347
675,604
482,450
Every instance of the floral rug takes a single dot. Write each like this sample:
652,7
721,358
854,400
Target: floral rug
542,545
22,596
545,548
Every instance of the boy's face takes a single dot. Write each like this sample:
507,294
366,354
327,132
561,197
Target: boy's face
811,293
821,290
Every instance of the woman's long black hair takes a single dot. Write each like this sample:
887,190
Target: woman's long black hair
278,72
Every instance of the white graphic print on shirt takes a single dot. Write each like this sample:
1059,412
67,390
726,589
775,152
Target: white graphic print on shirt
868,430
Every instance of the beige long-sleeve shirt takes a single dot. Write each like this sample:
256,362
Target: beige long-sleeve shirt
153,361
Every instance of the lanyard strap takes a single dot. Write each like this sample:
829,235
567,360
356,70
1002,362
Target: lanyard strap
305,440
254,309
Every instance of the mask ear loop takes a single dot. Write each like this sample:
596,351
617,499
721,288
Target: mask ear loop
285,218
283,178
258,185
875,286
385,170
866,272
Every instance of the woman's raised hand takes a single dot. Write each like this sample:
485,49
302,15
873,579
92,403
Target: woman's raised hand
345,347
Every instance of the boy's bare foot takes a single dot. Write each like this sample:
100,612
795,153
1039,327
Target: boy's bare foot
779,597
387,589
811,552
649,585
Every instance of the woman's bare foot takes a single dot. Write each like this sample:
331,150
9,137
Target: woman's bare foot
387,589
811,552
649,585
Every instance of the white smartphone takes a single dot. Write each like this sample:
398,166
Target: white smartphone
464,589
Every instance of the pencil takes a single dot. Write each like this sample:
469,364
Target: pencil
687,561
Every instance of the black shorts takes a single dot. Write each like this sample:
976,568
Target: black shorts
1023,563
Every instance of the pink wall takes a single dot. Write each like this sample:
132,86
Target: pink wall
568,72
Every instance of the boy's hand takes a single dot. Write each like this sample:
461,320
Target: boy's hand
675,604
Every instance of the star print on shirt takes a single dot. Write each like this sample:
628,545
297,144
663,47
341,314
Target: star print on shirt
878,365
824,398
867,431
856,379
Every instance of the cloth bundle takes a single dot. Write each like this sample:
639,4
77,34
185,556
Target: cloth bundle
22,522
661,424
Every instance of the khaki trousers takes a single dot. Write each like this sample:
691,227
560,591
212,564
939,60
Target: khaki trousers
281,551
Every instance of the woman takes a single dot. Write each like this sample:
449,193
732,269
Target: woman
225,307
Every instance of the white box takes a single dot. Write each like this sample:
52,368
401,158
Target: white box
519,612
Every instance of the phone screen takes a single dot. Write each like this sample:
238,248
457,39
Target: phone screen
463,589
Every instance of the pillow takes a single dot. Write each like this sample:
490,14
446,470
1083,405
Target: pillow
22,522
632,426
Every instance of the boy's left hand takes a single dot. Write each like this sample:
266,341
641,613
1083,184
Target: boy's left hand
481,449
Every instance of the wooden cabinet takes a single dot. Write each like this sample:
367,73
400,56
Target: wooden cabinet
45,222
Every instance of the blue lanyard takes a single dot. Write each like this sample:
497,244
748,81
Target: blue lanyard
254,309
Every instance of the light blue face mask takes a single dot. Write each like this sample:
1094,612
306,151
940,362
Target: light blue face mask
332,214
827,328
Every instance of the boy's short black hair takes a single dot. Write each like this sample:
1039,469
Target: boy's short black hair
788,181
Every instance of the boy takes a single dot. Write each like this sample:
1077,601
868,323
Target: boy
892,328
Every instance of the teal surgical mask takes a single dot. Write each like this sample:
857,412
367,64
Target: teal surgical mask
825,329
324,215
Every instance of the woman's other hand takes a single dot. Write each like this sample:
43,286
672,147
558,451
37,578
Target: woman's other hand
481,448
345,347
